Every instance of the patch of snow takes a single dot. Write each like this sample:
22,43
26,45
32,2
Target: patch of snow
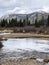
40,60
4,33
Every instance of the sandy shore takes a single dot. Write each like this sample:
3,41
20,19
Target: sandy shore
25,35
23,62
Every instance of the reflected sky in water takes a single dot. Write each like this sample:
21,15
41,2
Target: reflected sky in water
29,44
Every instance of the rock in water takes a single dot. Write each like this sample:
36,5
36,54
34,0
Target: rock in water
1,45
46,60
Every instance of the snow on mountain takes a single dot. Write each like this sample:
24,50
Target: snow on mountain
31,16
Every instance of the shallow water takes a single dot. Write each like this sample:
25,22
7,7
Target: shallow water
24,47
26,44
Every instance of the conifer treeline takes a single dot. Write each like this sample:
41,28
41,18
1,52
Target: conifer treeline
22,23
42,22
14,23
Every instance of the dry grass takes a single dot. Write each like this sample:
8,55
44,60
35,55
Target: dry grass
25,35
23,62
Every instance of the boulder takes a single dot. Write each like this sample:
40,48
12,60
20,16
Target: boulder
46,60
1,45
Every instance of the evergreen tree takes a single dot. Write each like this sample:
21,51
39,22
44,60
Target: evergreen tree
3,23
36,23
15,22
48,21
28,23
23,22
41,22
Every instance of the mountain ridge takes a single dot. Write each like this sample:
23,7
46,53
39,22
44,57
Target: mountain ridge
31,16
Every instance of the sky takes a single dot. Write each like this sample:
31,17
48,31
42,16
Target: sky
23,6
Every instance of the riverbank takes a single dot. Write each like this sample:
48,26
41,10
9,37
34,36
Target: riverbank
29,61
24,35
23,62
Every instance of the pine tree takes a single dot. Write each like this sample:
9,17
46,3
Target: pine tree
36,24
23,22
48,21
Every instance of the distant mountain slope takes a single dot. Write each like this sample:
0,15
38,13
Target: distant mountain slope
32,16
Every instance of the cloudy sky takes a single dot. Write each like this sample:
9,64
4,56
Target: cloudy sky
23,6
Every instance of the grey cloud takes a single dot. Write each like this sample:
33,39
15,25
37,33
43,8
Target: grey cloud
24,5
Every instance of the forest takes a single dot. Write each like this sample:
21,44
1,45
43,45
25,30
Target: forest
23,23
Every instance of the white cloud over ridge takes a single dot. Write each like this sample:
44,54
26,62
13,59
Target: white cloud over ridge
23,6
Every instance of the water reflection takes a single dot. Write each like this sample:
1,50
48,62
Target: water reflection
26,44
24,48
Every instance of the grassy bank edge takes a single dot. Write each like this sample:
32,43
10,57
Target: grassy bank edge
25,35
